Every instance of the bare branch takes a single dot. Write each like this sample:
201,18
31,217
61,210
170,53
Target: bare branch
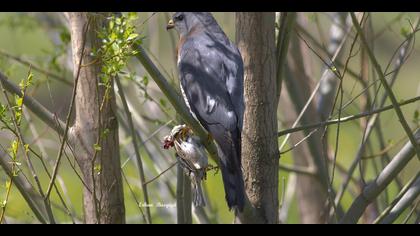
372,190
36,68
386,212
32,198
405,201
345,119
286,23
136,148
388,89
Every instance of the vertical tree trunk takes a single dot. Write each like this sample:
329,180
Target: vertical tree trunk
255,36
94,135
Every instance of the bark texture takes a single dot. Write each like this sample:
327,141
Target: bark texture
255,36
95,126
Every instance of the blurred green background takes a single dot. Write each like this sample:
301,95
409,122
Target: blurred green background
22,36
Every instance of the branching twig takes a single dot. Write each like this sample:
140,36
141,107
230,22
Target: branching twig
43,113
24,149
67,126
36,68
32,198
345,119
388,89
373,120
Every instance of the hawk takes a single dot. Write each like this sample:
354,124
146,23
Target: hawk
211,79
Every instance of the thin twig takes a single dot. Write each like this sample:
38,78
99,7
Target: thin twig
388,89
36,68
25,152
134,196
160,174
136,148
373,120
41,112
67,126
345,119
311,97
25,188
298,169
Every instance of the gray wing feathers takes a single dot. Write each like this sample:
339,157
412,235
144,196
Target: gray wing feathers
214,78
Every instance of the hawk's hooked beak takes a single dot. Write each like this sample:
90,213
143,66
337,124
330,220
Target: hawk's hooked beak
170,25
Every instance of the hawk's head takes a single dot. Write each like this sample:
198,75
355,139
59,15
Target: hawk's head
184,22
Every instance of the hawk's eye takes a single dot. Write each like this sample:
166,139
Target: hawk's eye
179,18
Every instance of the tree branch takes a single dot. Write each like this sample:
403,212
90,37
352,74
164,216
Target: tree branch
36,68
32,198
372,190
136,148
43,113
405,201
386,212
287,22
387,88
345,119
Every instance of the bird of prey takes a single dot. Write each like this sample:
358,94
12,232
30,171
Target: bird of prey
210,68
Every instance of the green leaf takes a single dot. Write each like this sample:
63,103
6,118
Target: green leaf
145,80
19,101
26,148
132,36
65,36
2,111
111,25
162,102
132,16
105,133
118,21
8,184
29,79
96,147
14,148
97,168
405,31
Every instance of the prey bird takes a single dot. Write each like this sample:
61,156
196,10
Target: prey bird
191,157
